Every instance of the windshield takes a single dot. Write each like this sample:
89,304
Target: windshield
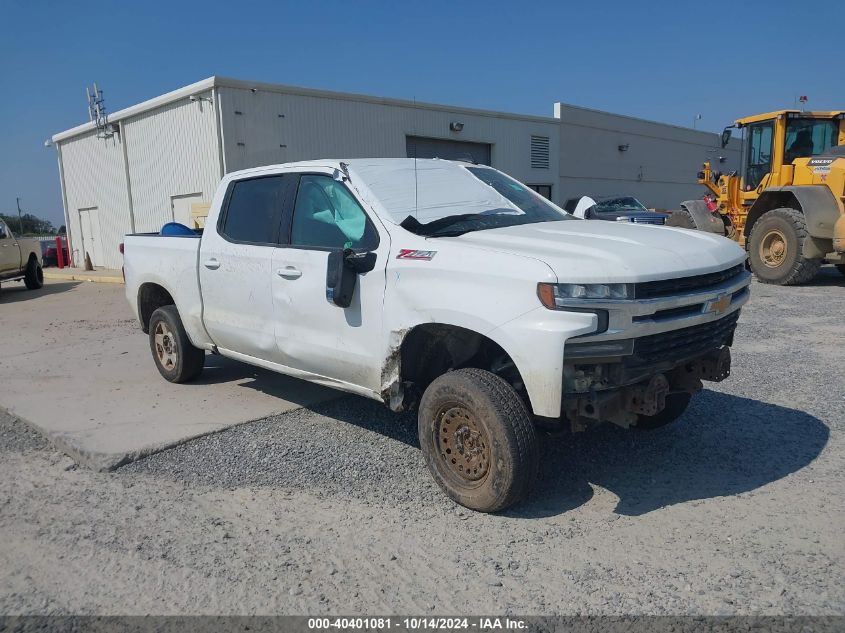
808,137
438,197
625,204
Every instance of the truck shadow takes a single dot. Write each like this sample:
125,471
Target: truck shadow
12,291
723,445
221,370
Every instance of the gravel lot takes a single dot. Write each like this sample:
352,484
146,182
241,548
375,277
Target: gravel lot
736,509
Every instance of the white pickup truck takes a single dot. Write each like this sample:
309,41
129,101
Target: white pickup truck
449,287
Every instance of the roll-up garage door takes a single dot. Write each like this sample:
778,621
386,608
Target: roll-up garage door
422,147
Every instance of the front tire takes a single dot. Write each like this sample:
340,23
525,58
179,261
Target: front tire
176,359
34,276
676,404
478,439
775,248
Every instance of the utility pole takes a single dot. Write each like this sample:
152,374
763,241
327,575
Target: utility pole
20,217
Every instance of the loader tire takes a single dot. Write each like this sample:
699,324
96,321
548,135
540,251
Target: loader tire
775,248
176,359
478,439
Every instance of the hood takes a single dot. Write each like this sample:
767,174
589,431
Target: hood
583,251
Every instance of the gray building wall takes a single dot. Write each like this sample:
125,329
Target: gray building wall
171,151
658,167
95,186
277,125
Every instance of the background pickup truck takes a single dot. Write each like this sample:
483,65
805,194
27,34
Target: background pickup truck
20,259
450,288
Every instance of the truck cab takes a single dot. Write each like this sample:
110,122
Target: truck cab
20,259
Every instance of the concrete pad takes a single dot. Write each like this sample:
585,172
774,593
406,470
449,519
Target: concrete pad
76,365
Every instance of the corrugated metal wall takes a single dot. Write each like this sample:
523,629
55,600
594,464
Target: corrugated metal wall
172,151
94,178
265,127
658,166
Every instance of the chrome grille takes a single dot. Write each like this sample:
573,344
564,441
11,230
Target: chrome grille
679,345
667,287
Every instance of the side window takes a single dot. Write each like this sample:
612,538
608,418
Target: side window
3,232
254,210
759,154
326,215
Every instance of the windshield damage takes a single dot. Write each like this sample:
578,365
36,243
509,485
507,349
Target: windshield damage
524,206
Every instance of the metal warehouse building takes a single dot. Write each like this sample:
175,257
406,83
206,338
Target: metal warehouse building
161,160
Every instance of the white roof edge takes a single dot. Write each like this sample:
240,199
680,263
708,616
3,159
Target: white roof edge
228,82
150,104
558,104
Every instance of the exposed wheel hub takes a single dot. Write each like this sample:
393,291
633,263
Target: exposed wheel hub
463,445
773,249
165,345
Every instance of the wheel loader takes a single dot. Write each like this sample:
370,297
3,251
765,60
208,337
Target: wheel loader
787,206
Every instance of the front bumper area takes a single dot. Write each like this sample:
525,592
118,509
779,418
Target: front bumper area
660,313
604,392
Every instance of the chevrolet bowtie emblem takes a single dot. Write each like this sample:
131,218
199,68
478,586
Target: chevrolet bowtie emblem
717,305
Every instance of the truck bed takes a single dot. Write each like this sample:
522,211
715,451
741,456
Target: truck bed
171,262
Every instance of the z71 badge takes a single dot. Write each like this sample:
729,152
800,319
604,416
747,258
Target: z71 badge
409,253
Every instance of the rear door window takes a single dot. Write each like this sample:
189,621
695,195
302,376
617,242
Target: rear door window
254,209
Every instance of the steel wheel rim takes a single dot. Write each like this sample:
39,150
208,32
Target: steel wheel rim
165,346
462,444
774,249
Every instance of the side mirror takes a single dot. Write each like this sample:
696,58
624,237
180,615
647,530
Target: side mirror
726,136
342,271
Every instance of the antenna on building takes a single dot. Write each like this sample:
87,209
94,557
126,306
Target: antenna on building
97,112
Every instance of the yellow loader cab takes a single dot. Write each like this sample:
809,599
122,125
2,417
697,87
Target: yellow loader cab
787,206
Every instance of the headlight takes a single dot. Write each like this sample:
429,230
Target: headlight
556,296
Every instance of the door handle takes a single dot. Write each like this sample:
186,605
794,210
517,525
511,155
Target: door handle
211,264
289,272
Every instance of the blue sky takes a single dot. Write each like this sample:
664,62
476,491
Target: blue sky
665,61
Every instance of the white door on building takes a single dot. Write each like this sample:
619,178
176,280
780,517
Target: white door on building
181,207
89,221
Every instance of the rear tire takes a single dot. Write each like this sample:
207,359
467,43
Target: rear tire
176,359
676,404
775,248
478,439
34,276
